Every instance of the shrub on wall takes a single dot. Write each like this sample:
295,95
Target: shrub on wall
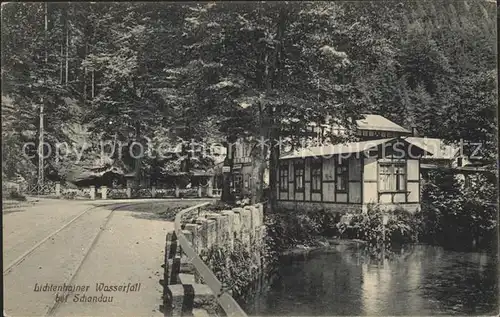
236,269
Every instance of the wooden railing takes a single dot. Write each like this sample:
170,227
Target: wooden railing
45,189
216,192
226,301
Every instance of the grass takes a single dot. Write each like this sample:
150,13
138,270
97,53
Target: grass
161,210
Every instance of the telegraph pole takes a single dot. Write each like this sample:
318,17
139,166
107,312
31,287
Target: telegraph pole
40,140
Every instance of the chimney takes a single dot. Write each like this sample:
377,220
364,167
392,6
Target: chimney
414,131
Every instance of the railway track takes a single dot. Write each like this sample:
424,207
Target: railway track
56,304
11,266
23,256
68,255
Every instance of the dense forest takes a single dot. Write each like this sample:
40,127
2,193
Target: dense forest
158,72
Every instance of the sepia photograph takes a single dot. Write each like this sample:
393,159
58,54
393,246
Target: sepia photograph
260,158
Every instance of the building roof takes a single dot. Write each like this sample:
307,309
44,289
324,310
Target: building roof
462,169
436,147
194,172
343,148
379,123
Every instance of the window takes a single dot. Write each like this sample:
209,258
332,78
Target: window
316,176
342,176
284,177
299,177
237,182
392,177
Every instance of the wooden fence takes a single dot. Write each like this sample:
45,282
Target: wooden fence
104,192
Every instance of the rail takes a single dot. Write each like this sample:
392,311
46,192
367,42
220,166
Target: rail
226,301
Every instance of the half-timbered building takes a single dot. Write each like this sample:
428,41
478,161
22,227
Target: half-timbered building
351,176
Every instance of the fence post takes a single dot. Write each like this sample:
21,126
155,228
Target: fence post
199,191
104,192
177,192
58,189
129,192
153,191
92,192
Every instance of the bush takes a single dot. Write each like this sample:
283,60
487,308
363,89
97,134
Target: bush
286,229
401,227
69,195
15,195
456,216
326,222
236,269
219,205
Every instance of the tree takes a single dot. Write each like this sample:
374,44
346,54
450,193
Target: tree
28,80
266,70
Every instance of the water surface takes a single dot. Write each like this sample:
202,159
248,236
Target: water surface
421,280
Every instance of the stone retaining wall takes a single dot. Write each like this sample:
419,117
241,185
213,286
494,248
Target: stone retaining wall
184,290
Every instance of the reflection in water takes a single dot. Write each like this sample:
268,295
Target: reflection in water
422,280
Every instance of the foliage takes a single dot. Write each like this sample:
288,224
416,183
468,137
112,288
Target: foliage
218,206
326,222
236,268
157,72
401,227
256,68
287,229
15,195
452,215
438,70
69,195
455,215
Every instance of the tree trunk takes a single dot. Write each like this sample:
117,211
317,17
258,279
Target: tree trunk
61,64
67,46
138,161
85,74
273,162
258,168
272,75
227,196
41,169
275,130
92,83
259,154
